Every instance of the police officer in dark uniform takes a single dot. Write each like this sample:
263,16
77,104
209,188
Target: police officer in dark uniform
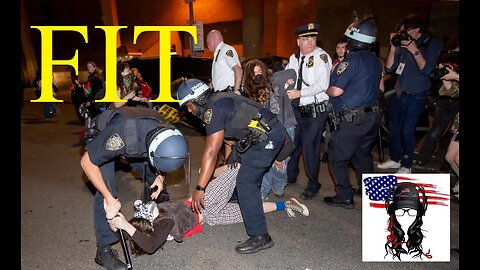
151,147
259,138
354,92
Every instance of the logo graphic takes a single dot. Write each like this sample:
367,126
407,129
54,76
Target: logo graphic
395,220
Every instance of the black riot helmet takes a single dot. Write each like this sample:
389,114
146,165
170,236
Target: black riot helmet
361,34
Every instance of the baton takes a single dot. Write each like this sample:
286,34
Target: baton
128,260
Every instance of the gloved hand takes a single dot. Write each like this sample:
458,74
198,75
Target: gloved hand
111,210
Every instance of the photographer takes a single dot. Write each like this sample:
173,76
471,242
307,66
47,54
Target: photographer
413,55
451,85
446,107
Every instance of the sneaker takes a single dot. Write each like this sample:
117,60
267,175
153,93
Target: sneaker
108,258
389,164
292,205
456,188
404,170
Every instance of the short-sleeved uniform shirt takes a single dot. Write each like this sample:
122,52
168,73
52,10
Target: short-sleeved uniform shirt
219,117
225,58
358,75
111,142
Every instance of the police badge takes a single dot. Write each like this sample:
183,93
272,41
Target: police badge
207,116
114,143
324,58
310,62
229,53
342,67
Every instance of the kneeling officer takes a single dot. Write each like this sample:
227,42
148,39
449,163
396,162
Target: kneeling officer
259,138
149,144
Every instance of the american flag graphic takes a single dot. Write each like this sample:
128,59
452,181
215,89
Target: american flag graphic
376,189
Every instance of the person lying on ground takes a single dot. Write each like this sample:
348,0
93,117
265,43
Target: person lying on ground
153,224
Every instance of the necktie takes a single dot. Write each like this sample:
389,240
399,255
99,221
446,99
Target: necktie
299,80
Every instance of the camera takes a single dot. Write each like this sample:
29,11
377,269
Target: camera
439,72
397,39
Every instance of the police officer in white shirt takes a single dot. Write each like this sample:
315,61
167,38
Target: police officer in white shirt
309,99
226,68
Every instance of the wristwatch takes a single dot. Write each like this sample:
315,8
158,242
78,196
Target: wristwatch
416,53
199,188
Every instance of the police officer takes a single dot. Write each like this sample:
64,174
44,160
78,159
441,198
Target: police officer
309,99
149,145
226,68
259,138
354,91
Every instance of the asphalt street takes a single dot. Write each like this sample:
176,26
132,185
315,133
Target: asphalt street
57,221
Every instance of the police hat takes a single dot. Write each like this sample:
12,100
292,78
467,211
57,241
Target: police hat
307,30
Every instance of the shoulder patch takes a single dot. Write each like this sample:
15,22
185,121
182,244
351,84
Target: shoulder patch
342,67
324,57
114,143
207,116
310,61
229,53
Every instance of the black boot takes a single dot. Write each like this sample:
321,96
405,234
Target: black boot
255,244
106,258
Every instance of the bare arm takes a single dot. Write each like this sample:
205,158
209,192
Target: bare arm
93,173
238,73
333,91
228,150
209,162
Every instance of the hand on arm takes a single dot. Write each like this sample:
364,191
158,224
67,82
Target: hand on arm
112,209
294,93
120,222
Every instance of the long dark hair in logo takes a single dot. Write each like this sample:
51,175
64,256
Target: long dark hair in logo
404,207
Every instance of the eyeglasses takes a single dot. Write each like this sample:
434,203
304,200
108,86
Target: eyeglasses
411,212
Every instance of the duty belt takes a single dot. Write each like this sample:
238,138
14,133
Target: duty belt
350,115
259,129
228,89
312,110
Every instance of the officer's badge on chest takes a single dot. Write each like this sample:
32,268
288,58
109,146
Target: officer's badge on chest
342,67
207,116
310,62
114,143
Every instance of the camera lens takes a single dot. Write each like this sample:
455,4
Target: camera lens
396,40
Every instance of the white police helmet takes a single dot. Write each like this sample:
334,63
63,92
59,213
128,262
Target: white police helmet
361,33
167,148
191,90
